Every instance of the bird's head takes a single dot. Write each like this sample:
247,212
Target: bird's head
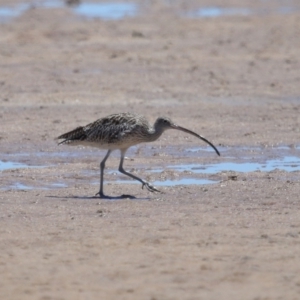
164,123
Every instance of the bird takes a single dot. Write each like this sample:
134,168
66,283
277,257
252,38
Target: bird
120,132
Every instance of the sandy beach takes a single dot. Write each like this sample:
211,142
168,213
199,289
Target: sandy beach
223,227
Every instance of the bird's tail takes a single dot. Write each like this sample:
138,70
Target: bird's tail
77,134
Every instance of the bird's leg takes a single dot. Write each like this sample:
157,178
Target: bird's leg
150,187
102,166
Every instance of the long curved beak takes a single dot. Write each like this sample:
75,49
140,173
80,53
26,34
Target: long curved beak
174,126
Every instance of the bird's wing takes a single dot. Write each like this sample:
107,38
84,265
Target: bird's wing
109,134
111,129
78,134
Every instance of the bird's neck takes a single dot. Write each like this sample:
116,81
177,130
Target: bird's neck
155,133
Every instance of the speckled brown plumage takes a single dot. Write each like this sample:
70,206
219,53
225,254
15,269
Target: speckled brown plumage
117,131
121,131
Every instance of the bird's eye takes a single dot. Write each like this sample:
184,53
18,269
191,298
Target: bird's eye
165,121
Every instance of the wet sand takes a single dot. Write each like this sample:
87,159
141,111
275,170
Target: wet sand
233,79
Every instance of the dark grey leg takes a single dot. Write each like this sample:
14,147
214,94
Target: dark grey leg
150,187
102,166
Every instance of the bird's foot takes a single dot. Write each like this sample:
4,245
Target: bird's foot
150,187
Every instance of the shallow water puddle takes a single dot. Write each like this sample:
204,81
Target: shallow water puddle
6,165
101,10
288,164
216,11
213,11
181,181
20,186
58,185
106,11
119,10
237,159
7,12
24,187
184,181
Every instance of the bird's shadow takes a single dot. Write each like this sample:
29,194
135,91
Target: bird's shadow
112,198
